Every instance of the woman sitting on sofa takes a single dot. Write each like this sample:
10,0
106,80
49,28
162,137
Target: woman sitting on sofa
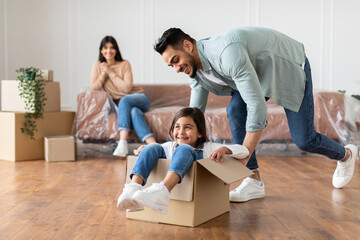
113,74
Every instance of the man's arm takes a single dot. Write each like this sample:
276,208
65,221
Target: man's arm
250,141
236,64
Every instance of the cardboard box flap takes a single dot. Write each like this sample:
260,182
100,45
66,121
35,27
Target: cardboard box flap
232,170
182,192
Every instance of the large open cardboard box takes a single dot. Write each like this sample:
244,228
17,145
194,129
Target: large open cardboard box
202,195
11,100
17,146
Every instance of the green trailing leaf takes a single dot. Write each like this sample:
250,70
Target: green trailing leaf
356,96
31,88
342,91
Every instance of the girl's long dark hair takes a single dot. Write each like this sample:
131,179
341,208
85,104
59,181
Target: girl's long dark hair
198,118
104,41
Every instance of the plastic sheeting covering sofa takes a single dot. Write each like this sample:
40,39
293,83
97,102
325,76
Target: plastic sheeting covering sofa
96,117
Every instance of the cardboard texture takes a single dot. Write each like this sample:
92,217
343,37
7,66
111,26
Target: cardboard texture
59,148
11,100
17,146
210,191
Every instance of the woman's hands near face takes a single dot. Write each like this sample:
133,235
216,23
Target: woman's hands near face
105,68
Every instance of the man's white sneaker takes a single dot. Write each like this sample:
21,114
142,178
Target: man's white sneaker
247,190
121,149
345,170
126,200
156,197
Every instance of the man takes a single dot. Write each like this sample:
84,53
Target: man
254,64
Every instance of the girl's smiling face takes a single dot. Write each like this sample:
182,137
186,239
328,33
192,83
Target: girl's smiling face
186,131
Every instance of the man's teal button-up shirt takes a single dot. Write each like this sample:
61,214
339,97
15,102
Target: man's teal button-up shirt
259,63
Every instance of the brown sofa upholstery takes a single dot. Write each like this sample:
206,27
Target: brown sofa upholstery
96,115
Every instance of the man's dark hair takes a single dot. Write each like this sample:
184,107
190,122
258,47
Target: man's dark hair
173,37
198,118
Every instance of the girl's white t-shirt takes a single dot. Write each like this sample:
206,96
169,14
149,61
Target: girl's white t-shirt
238,151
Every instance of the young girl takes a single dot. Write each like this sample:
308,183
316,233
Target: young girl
188,131
113,74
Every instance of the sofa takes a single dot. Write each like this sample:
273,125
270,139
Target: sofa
96,117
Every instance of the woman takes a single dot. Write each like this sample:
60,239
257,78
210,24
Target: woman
113,74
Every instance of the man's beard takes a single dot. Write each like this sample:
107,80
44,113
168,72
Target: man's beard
193,66
194,71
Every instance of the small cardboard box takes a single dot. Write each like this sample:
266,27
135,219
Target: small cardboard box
47,75
11,100
202,195
17,146
59,148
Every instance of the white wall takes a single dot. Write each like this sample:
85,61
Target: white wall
65,35
2,52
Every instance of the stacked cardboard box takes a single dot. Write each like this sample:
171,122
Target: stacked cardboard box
12,101
17,146
47,75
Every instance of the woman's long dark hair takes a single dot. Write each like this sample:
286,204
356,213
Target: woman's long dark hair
198,118
110,39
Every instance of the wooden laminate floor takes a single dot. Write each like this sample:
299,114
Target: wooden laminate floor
77,200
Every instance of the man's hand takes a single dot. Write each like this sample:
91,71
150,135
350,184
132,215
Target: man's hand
218,154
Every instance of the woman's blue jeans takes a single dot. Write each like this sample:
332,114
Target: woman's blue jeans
131,109
301,125
181,160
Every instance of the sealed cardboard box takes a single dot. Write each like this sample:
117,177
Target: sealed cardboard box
47,75
17,146
202,195
11,100
59,148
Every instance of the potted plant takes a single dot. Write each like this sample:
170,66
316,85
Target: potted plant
31,88
353,95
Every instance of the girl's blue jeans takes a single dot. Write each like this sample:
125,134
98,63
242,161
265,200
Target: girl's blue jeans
181,161
131,109
301,125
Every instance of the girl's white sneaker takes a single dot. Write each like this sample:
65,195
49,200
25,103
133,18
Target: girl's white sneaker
126,200
156,197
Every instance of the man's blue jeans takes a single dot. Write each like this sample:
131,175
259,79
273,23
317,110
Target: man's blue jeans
301,125
181,160
131,109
